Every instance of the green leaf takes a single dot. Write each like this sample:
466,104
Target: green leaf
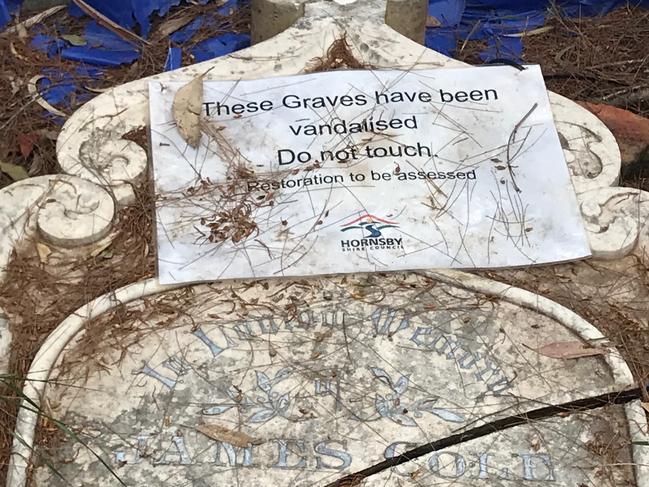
74,39
14,171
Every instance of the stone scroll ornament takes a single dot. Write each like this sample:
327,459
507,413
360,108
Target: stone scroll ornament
306,382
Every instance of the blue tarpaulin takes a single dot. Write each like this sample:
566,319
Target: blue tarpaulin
7,8
60,87
174,59
103,48
219,46
135,14
494,20
129,13
99,46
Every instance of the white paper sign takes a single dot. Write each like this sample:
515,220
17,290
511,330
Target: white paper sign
355,171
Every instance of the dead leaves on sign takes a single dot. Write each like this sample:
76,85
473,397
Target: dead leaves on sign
236,438
569,350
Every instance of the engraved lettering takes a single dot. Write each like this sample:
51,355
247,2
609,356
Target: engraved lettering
140,449
484,369
177,364
243,330
328,387
267,325
530,470
333,318
442,468
283,452
233,455
383,318
500,385
391,452
442,343
341,455
468,360
177,449
490,369
202,336
426,332
151,372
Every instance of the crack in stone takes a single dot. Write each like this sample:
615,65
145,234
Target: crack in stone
589,403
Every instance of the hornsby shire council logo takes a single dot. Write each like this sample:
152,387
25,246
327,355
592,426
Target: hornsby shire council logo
369,233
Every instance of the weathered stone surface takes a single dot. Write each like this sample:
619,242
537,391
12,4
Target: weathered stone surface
317,377
64,210
584,450
5,341
617,220
630,130
270,17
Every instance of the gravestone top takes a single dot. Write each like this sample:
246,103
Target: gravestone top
248,384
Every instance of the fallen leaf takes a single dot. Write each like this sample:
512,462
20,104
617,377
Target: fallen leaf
36,166
186,110
75,40
432,21
172,24
235,438
48,134
418,473
12,48
43,252
96,90
100,248
569,350
26,142
36,96
645,406
535,443
14,171
107,254
321,337
36,19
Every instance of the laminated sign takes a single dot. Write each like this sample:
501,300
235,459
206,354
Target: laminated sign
357,171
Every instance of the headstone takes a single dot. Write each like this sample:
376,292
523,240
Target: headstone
303,382
299,383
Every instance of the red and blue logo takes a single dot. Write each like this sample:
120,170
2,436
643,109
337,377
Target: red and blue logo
371,237
370,223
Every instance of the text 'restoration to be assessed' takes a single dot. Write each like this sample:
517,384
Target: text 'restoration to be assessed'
359,171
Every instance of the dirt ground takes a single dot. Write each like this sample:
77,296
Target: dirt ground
600,59
29,131
603,60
